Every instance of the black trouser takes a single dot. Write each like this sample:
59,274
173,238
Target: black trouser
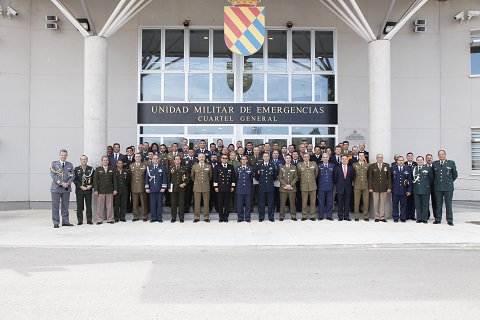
434,203
298,197
276,196
166,194
410,207
254,197
188,196
120,206
84,199
223,199
129,199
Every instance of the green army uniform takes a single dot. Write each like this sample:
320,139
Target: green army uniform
120,199
422,178
177,176
104,183
139,195
201,177
307,173
445,173
360,189
84,178
287,175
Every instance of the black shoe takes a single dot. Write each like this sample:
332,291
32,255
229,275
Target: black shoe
153,220
377,220
450,224
182,221
67,225
303,219
111,222
220,221
294,219
239,221
89,222
356,219
272,220
436,222
123,220
384,220
330,219
55,226
348,219
79,224
395,221
412,218
425,221
207,220
248,220
403,221
418,221
135,220
195,221
117,220
145,220
281,219
99,222
313,219
160,221
225,221
260,220
366,219
172,221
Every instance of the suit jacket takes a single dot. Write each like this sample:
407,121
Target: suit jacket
422,179
325,177
244,179
201,177
104,181
83,178
156,179
352,160
307,175
379,179
206,152
318,160
224,178
123,180
128,162
111,159
445,175
344,184
333,159
401,180
61,175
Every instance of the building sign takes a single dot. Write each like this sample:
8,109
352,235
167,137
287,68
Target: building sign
237,113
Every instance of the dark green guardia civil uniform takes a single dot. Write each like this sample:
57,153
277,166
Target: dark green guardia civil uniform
120,199
445,173
422,179
178,179
84,178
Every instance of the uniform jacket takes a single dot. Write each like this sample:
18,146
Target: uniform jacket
379,179
156,179
83,178
128,162
307,175
201,177
164,160
176,177
344,185
123,180
401,181
361,175
188,163
444,175
111,159
103,181
318,160
422,179
254,161
244,179
206,152
288,175
224,178
266,175
137,177
325,177
60,175
279,162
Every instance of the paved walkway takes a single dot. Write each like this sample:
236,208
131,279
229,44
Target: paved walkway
33,228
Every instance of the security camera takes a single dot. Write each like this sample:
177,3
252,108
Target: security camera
460,16
472,14
1,13
11,12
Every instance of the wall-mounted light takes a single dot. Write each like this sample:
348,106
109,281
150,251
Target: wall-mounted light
186,23
289,24
84,23
388,27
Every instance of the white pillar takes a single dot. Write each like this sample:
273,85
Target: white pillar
95,99
380,107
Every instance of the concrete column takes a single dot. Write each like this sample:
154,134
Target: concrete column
380,107
95,99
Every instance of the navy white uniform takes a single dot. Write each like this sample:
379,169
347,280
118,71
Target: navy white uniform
266,175
155,180
244,176
325,190
401,184
61,173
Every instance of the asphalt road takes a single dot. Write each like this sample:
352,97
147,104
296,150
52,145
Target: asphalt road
240,283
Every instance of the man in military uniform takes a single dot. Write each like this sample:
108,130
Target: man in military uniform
379,184
155,186
62,174
410,201
178,177
83,189
287,175
201,176
235,163
224,184
445,172
105,187
401,189
188,163
266,174
429,163
203,149
244,176
122,175
307,172
138,171
253,161
175,152
422,178
166,159
360,189
325,188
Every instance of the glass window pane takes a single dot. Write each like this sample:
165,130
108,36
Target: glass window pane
265,130
324,58
223,85
255,142
198,87
330,141
296,141
302,87
210,130
171,140
174,55
301,58
174,87
313,130
150,140
199,50
222,56
254,61
151,40
277,87
281,142
194,142
324,88
150,87
162,130
277,50
475,52
253,87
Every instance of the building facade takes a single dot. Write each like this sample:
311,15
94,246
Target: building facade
167,81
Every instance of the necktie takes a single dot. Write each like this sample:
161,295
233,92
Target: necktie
441,163
116,157
345,172
338,159
63,165
138,164
225,166
380,166
243,168
326,165
401,169
155,167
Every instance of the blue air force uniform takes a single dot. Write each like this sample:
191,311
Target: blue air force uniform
156,180
244,176
401,184
325,190
266,175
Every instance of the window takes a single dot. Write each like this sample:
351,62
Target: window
476,149
475,52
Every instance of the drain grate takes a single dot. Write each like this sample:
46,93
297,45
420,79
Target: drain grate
474,222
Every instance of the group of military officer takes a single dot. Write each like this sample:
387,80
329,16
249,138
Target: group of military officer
139,183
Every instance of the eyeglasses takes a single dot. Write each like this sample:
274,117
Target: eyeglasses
224,158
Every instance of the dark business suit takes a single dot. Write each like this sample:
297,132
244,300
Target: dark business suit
344,189
112,160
